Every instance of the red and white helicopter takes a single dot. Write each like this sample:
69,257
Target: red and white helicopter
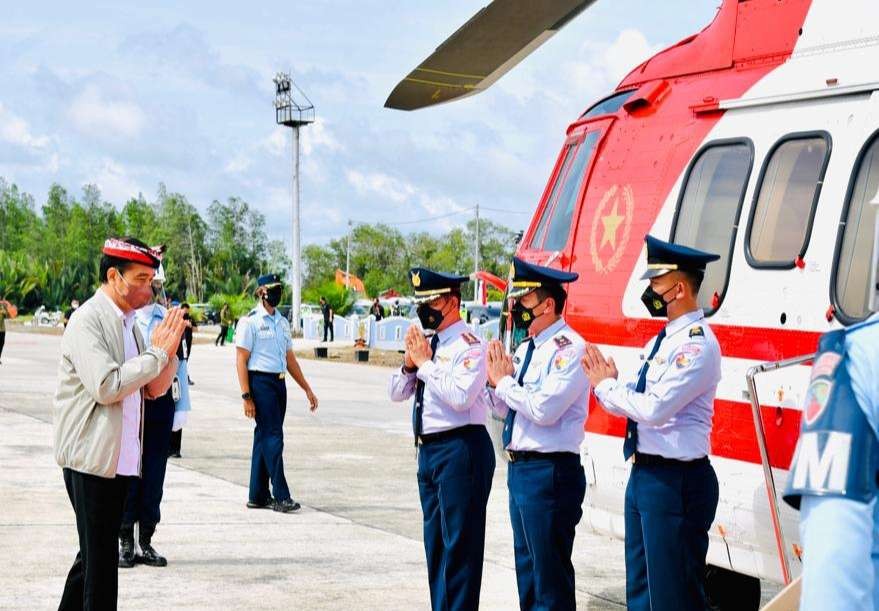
766,121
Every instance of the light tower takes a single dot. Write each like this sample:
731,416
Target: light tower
294,114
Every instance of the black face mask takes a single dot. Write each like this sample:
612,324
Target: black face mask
273,295
430,317
522,316
655,302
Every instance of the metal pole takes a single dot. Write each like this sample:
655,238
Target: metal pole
348,259
768,478
476,260
297,258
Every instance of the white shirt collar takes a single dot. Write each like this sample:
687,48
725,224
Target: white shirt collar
682,322
262,311
452,331
547,333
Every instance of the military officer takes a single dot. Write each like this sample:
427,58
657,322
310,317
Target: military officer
446,376
834,471
264,350
672,494
542,394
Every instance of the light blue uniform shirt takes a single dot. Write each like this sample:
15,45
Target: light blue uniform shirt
675,410
454,382
268,339
840,536
552,403
147,319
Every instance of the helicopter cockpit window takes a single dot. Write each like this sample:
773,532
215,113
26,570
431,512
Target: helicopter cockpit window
787,193
709,207
851,285
608,105
557,217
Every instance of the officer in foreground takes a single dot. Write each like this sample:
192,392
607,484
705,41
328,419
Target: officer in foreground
264,350
542,394
833,476
446,376
672,494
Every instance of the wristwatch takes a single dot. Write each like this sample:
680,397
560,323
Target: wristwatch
246,396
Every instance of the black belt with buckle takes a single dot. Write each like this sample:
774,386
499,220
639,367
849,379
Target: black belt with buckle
648,460
519,455
266,374
426,438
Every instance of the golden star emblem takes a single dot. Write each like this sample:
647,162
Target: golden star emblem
611,223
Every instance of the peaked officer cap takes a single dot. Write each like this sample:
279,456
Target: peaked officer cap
528,276
268,280
664,257
429,284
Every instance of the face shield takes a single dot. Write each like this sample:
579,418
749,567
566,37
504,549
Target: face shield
158,286
874,267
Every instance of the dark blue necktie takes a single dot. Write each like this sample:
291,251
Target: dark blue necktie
418,406
630,444
507,437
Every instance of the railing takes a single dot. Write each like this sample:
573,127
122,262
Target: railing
771,494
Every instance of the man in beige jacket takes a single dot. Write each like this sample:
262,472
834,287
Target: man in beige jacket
103,377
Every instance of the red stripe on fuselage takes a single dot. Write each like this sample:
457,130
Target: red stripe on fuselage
733,434
755,343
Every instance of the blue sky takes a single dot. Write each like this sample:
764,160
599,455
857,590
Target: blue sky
126,95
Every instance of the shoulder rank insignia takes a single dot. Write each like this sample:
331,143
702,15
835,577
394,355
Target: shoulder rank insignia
697,332
561,341
251,313
470,339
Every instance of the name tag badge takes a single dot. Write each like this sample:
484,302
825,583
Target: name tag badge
266,333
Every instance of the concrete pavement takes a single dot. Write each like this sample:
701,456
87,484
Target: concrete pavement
355,544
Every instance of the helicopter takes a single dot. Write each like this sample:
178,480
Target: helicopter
756,138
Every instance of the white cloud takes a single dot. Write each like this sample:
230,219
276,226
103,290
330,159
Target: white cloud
626,52
319,136
15,130
92,113
115,182
377,183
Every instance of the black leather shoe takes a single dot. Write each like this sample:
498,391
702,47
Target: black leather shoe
126,548
287,506
150,557
257,505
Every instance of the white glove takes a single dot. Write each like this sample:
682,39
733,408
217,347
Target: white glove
179,420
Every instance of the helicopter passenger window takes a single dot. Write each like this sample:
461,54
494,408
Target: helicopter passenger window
851,284
608,105
709,207
558,215
790,182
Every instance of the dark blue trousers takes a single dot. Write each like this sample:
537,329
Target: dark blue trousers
546,504
669,510
267,458
454,481
145,492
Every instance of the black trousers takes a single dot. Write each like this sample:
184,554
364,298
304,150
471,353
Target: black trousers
176,442
92,583
328,328
145,493
2,341
221,338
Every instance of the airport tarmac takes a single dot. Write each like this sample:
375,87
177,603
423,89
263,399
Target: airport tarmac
355,544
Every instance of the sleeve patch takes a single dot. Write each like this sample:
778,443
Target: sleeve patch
561,341
686,355
563,359
697,332
470,339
